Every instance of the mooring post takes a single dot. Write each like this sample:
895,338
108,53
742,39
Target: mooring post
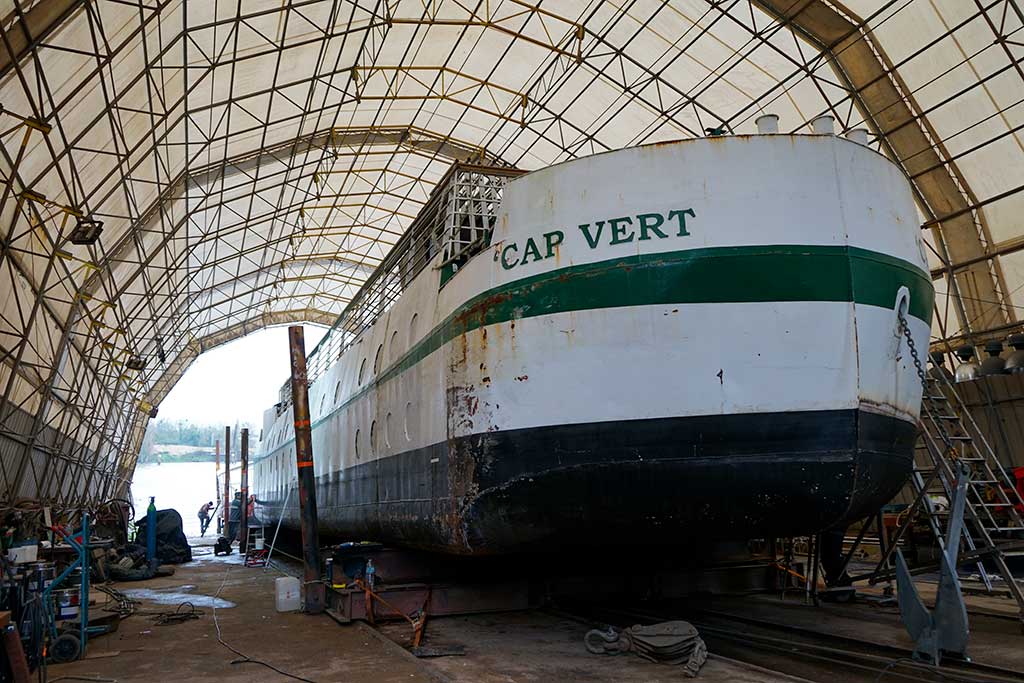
243,511
227,484
313,593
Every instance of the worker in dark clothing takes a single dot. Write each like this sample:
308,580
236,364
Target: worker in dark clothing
235,516
204,518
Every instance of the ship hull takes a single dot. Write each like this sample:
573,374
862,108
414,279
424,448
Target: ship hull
648,365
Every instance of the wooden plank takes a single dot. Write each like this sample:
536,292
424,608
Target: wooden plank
5,619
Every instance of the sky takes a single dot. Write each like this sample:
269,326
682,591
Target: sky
236,381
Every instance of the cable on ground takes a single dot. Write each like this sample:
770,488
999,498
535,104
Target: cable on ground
244,658
186,611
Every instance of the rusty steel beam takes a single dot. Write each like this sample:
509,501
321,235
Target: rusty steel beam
243,511
227,483
314,593
216,471
1010,246
889,108
30,28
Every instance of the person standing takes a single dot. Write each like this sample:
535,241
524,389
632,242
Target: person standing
234,516
204,518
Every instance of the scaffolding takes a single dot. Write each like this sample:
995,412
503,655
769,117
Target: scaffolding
177,175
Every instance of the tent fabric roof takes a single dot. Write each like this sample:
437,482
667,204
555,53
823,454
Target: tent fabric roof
252,161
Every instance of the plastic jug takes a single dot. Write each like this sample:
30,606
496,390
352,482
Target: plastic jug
286,589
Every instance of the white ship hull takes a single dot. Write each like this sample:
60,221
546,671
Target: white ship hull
691,339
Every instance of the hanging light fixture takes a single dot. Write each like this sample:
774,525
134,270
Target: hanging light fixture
86,231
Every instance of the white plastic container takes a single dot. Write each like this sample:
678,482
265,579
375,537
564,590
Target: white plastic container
286,589
23,553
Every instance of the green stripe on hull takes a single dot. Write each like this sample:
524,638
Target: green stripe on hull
749,274
694,276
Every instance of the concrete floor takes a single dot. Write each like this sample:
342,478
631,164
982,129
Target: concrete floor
499,648
533,646
313,647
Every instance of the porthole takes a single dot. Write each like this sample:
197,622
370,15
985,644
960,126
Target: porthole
412,330
377,359
373,437
362,371
387,430
408,419
357,444
337,392
394,345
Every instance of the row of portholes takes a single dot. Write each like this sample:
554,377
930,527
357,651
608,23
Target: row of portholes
378,357
388,427
377,360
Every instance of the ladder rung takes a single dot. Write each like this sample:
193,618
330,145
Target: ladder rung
946,417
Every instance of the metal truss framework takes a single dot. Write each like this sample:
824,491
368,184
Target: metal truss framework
251,162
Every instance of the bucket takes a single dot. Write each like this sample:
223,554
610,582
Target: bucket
40,576
65,603
259,544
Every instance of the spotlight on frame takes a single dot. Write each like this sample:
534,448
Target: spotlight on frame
86,232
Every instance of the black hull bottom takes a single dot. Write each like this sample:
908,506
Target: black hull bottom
647,482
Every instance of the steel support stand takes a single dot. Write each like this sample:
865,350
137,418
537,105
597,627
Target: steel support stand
816,560
314,593
243,511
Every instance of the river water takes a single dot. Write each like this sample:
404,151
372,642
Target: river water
184,486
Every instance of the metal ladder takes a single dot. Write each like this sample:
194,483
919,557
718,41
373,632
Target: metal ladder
950,440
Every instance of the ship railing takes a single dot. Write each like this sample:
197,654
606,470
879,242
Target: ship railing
456,221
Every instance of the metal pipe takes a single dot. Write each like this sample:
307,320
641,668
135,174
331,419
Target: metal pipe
227,483
243,511
313,595
273,541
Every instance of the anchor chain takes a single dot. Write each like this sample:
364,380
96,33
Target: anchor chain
905,331
951,449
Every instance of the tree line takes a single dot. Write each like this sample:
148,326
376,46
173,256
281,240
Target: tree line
187,433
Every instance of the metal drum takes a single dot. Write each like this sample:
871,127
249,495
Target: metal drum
40,576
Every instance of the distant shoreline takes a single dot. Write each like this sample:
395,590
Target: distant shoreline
168,456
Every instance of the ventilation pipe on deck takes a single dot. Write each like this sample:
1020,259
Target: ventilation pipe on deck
823,125
858,135
767,124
